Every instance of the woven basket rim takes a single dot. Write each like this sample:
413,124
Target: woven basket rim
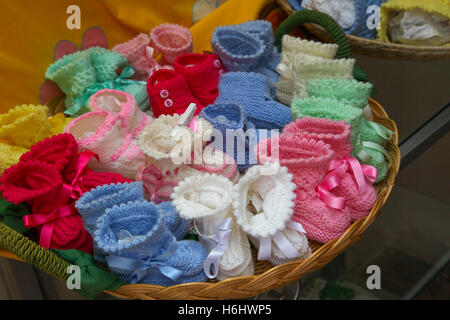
379,49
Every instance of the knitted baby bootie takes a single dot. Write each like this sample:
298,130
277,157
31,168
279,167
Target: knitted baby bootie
291,46
171,40
9,155
332,132
252,91
349,91
307,160
329,108
207,199
169,93
178,226
141,250
202,72
306,67
75,72
263,203
24,125
104,134
137,51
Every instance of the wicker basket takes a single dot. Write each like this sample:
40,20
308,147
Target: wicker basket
379,49
266,277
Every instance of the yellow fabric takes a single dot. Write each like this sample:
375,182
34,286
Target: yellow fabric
31,29
437,6
58,123
9,155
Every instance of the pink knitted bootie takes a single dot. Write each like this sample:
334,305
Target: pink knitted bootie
307,160
360,197
171,40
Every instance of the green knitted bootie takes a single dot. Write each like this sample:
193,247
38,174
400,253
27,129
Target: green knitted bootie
374,132
328,108
349,91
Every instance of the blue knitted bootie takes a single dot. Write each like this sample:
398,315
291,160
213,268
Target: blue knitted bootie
93,204
178,226
253,92
237,136
141,249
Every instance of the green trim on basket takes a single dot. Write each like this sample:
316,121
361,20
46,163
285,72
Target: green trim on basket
321,19
33,253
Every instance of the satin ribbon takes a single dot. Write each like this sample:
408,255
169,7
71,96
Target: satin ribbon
221,241
284,70
381,130
47,221
140,268
80,166
120,83
265,243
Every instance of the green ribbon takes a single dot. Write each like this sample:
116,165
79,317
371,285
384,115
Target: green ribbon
11,215
382,131
93,280
120,83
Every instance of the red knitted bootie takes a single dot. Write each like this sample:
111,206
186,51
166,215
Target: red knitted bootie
169,93
202,72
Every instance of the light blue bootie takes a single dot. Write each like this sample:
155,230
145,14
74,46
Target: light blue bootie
141,250
178,226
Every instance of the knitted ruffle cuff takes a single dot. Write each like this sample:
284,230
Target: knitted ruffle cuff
215,161
225,116
58,151
333,132
307,67
203,196
263,30
202,72
328,108
171,40
94,203
349,91
263,200
25,125
9,155
92,179
238,50
29,180
123,106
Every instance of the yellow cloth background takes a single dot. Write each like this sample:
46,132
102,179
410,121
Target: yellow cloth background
30,30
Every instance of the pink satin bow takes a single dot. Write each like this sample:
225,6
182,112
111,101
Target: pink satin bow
336,171
80,167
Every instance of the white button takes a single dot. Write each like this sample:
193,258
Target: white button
168,103
164,93
217,63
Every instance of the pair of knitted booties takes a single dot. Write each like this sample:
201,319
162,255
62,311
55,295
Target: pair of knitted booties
207,199
344,99
194,80
110,131
302,60
50,178
140,241
253,92
247,47
23,126
333,189
233,133
164,168
355,17
170,40
79,75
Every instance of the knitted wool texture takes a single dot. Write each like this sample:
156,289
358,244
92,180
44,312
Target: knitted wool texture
135,50
307,160
171,40
290,47
368,133
252,91
149,238
329,108
169,93
306,67
349,91
111,132
178,226
207,199
230,121
9,155
202,72
263,204
337,135
75,72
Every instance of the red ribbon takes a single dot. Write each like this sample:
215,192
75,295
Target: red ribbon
80,167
